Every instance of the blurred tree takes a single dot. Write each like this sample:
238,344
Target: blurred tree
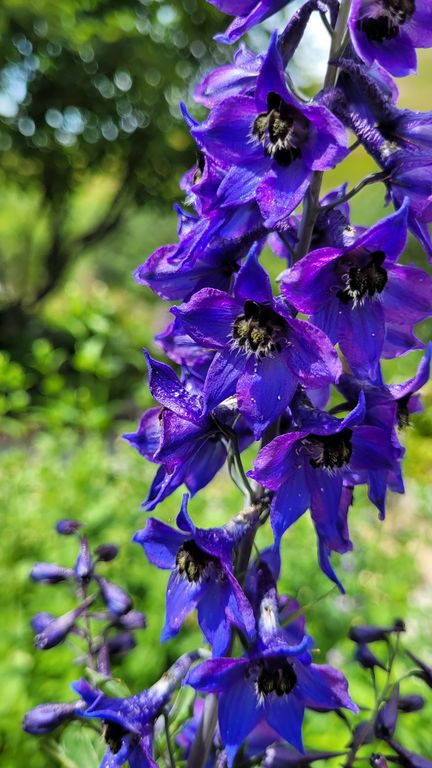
89,93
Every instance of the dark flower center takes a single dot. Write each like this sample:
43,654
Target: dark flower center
330,451
199,170
362,282
281,130
402,412
277,676
192,562
389,16
114,734
259,330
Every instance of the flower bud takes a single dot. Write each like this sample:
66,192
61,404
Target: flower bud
106,552
367,658
49,573
57,630
121,643
68,527
385,723
367,633
41,620
286,757
411,703
84,564
378,761
115,598
132,620
46,717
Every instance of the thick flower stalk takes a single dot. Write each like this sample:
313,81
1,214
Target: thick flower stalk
292,372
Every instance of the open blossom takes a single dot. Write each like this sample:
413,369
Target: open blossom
202,575
272,684
389,31
263,352
306,468
360,292
270,143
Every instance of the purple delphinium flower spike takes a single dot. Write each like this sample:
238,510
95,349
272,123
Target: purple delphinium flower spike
270,144
359,292
202,575
128,723
273,683
306,468
263,351
389,31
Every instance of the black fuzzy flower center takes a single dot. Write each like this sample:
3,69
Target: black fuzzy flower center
275,676
402,412
389,16
259,330
330,451
363,282
192,562
281,130
114,734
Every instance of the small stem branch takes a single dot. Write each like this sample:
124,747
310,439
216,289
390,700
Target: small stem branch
168,740
201,746
373,178
311,202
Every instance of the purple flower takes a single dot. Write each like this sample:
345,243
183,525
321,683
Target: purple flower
306,468
263,352
273,685
202,575
208,254
270,144
190,445
359,292
389,31
128,723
